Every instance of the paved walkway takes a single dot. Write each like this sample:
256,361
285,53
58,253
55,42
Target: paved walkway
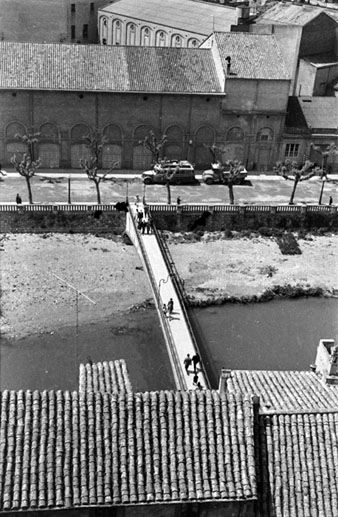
178,326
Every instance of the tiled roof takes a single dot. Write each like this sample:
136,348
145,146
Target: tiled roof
298,464
280,390
320,112
107,377
253,56
289,14
61,449
188,15
54,66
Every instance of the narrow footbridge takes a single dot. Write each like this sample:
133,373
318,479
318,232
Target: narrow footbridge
165,284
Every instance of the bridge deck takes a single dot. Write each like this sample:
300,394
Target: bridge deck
179,327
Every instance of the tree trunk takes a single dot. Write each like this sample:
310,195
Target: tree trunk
295,183
98,193
30,197
168,192
231,194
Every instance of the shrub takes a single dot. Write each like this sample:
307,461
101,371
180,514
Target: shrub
288,244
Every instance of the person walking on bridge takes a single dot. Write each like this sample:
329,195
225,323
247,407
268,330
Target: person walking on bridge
170,306
195,360
187,363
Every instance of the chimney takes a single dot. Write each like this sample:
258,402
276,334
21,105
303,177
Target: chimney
225,375
228,59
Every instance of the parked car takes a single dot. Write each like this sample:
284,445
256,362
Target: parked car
217,174
178,172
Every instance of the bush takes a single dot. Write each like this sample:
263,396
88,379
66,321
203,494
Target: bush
288,244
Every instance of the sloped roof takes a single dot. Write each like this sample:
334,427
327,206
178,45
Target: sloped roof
61,449
289,14
107,377
298,464
320,112
253,56
280,390
54,66
188,15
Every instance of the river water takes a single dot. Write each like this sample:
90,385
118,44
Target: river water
276,335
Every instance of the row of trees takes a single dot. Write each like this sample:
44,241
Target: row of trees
289,170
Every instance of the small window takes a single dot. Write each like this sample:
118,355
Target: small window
291,150
92,6
85,31
104,41
73,31
72,8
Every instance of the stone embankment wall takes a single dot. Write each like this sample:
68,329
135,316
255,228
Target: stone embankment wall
224,217
65,219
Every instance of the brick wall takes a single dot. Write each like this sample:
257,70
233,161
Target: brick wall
91,221
245,219
196,118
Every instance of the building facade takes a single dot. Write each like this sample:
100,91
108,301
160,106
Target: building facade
124,92
178,23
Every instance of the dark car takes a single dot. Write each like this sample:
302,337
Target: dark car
178,172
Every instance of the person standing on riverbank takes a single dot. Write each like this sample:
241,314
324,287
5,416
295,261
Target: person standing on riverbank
330,200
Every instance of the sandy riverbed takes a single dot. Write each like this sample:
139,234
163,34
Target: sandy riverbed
109,272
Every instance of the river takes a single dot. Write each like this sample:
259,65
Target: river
276,335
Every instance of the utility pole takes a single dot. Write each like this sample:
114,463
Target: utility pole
77,292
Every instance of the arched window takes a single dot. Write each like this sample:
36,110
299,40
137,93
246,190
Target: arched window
265,135
117,32
205,135
176,41
145,36
235,134
192,43
173,148
104,31
15,128
131,34
161,39
48,131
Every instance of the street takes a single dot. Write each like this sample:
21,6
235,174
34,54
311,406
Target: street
54,189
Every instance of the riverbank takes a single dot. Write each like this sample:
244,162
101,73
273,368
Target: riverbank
39,274
222,268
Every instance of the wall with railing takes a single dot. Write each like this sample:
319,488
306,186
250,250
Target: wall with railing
100,219
243,217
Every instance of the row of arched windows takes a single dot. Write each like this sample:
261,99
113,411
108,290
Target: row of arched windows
116,32
113,132
49,148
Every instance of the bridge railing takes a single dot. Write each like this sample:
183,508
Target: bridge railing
180,290
179,378
50,208
242,209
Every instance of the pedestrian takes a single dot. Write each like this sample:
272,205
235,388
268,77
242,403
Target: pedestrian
148,226
199,386
18,199
187,363
137,198
330,200
170,306
178,200
140,214
196,360
195,380
164,309
143,226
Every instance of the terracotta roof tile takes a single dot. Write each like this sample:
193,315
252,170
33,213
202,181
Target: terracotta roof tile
298,463
52,66
106,377
61,449
253,56
284,389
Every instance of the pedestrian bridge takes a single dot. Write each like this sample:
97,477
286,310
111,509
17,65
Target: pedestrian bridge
165,284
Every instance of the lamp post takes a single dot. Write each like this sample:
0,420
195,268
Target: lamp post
321,192
69,198
144,193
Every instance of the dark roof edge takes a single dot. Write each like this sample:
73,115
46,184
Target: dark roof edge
143,92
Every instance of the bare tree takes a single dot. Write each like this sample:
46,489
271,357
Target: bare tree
216,151
289,171
154,145
233,177
330,151
28,165
91,166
